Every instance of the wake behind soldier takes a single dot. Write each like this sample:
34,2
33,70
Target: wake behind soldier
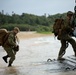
65,35
10,46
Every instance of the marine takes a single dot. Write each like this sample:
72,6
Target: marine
10,46
65,36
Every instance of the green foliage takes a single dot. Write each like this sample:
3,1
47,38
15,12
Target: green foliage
29,22
45,32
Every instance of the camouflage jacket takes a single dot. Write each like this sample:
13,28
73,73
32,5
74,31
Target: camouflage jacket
11,40
67,27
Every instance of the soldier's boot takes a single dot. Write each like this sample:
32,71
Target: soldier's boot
61,59
5,58
9,65
60,56
11,60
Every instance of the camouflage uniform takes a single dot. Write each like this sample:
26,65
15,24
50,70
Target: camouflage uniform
8,47
65,37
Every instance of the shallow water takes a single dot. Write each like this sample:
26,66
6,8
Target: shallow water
32,57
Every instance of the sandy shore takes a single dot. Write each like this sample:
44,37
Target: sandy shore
28,35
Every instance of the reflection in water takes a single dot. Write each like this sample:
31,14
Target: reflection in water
11,71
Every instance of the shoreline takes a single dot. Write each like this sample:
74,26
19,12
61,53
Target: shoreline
28,35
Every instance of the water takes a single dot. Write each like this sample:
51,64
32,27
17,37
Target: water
32,57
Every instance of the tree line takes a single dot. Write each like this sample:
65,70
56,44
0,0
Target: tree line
29,22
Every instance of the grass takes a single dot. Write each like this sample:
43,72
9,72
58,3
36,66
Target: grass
45,32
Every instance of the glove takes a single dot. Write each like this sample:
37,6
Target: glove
16,48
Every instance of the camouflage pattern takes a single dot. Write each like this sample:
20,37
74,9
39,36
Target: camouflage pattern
66,29
11,40
64,37
63,41
9,45
57,25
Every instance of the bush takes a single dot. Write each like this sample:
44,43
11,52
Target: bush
26,27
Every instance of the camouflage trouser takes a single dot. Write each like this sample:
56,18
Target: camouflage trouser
11,54
63,40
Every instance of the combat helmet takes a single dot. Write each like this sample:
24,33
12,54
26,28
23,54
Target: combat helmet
69,13
17,29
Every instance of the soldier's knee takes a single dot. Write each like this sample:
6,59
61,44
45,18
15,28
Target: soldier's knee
13,57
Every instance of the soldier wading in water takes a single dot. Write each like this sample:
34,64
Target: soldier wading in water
10,46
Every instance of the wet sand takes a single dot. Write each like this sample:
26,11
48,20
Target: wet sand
33,54
28,35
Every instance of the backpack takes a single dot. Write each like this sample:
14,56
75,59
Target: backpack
57,25
3,36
